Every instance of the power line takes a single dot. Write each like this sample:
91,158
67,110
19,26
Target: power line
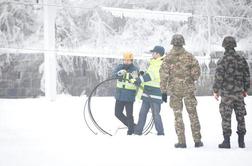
51,5
71,52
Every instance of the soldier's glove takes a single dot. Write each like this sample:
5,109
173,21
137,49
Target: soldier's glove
164,97
244,94
141,73
216,96
121,72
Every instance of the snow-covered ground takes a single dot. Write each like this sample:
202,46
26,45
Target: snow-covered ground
37,132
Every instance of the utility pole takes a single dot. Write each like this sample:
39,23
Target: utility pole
49,49
208,29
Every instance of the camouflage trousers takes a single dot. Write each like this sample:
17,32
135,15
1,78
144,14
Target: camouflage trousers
227,105
176,103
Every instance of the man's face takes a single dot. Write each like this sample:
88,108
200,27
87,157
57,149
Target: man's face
127,61
155,55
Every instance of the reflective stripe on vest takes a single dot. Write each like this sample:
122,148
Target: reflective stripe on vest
152,96
153,84
125,84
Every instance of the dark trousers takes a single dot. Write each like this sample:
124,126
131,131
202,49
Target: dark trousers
127,120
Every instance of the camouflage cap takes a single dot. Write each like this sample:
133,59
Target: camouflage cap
229,42
177,40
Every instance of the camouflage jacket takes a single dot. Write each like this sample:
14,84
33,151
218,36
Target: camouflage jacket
232,75
179,71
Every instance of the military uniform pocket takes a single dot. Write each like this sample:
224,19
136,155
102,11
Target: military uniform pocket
240,109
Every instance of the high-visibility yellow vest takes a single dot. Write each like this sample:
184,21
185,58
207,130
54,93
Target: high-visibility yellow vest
153,71
126,84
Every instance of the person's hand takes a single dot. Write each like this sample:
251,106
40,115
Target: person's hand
121,72
141,73
216,96
244,94
134,74
164,97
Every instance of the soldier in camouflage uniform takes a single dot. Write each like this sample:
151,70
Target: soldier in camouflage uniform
232,81
178,73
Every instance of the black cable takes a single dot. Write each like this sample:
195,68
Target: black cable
85,119
89,108
147,129
149,126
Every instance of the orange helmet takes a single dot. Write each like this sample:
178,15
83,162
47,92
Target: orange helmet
128,56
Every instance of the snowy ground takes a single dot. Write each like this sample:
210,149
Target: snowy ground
36,132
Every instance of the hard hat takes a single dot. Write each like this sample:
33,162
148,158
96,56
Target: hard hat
128,56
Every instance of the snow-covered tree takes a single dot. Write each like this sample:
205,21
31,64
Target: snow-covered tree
18,21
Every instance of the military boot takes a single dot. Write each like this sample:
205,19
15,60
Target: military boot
181,141
180,145
226,143
241,141
198,144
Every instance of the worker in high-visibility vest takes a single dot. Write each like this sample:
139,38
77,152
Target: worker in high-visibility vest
151,94
125,91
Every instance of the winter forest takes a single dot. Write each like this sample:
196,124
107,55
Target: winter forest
90,37
88,26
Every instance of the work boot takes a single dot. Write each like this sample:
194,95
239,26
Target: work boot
198,144
241,141
131,129
130,132
226,143
162,134
180,145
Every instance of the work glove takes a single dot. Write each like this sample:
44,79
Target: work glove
164,97
121,72
141,73
134,74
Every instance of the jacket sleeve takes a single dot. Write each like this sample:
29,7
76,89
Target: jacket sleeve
219,77
150,75
195,69
164,73
118,68
246,76
145,78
